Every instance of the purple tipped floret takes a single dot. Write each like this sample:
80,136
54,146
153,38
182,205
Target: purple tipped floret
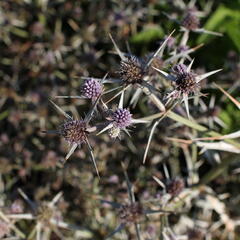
91,89
122,118
180,69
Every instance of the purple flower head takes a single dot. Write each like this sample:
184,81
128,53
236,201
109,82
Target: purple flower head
130,213
122,118
182,48
91,88
74,131
191,20
180,69
175,186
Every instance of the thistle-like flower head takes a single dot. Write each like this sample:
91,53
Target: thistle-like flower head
91,88
175,186
122,118
74,131
185,82
132,70
191,21
130,213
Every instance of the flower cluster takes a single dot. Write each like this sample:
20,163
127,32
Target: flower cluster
161,90
122,118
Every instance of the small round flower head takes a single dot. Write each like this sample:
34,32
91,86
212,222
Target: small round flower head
185,82
175,186
130,213
132,70
114,132
74,131
122,118
191,21
91,89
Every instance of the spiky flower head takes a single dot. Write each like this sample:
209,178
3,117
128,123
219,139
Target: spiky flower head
91,88
74,131
132,70
130,213
191,20
122,118
175,186
185,82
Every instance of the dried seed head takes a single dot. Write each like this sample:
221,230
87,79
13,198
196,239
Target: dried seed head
132,70
190,21
195,234
4,229
185,81
130,213
122,118
74,131
91,89
114,132
175,186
